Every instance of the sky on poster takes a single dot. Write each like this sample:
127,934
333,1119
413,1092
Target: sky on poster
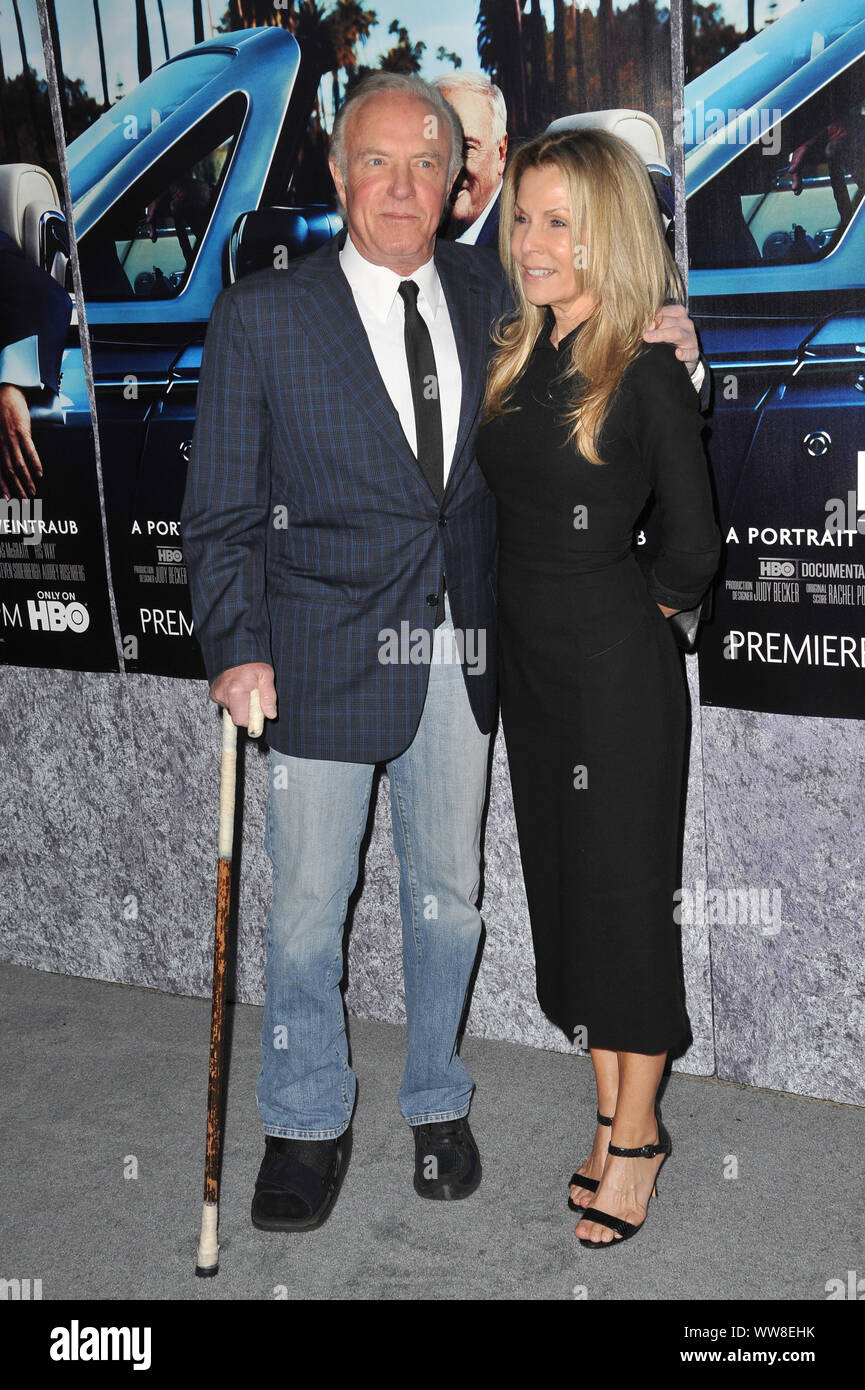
448,22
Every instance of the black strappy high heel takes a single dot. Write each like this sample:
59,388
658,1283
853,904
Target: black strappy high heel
579,1180
626,1229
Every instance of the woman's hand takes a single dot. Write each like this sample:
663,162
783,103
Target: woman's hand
674,325
667,612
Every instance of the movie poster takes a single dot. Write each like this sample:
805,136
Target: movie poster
198,139
775,170
181,182
54,600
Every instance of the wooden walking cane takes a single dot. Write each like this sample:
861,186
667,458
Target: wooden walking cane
208,1246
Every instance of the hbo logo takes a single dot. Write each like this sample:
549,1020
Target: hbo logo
51,616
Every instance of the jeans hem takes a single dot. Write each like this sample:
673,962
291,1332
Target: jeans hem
439,1116
284,1133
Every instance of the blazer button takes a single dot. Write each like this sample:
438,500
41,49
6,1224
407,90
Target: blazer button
443,521
432,600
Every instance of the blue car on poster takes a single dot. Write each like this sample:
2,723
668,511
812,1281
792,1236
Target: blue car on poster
775,170
774,139
188,183
177,190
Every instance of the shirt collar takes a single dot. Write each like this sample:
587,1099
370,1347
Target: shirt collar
377,285
471,235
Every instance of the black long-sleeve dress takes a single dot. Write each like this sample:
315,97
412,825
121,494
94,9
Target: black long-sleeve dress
593,691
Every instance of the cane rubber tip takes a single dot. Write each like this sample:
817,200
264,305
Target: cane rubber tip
206,1271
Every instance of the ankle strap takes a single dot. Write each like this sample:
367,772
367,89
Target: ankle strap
645,1151
604,1119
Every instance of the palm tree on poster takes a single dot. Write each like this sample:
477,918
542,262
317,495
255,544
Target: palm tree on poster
142,39
255,14
311,28
500,49
538,88
582,100
197,22
306,20
29,86
10,148
687,37
560,60
405,56
647,33
349,24
51,16
161,10
609,85
100,44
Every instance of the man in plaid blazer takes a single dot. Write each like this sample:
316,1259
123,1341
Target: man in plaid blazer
341,546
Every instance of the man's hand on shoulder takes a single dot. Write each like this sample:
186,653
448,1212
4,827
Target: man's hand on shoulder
19,461
231,690
673,325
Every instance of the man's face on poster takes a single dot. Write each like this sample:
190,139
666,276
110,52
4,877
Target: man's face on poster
485,153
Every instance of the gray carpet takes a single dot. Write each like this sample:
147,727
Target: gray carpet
100,1078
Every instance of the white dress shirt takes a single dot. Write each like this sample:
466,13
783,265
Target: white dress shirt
375,289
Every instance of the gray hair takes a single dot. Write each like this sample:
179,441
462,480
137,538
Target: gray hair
480,83
412,85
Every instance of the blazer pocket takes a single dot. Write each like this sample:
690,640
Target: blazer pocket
331,600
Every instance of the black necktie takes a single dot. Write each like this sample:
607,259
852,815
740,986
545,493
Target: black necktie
427,406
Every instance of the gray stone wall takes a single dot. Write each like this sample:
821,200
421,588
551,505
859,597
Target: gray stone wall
108,867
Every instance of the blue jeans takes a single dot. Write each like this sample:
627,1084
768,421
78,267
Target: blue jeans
316,813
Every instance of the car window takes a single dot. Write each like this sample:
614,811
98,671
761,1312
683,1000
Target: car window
787,198
110,139
145,246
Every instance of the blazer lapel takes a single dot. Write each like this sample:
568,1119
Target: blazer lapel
469,318
331,319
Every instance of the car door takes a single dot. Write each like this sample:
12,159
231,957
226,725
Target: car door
155,218
777,280
152,242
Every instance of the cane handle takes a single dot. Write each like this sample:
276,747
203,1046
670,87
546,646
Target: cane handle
256,718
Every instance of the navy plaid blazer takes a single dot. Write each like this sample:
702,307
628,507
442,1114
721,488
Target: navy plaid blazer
308,526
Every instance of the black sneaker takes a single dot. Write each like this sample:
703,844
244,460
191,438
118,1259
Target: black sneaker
447,1165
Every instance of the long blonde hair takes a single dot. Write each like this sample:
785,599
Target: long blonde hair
627,268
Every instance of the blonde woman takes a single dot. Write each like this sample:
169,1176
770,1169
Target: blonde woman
583,421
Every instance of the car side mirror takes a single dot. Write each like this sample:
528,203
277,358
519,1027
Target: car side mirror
268,237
